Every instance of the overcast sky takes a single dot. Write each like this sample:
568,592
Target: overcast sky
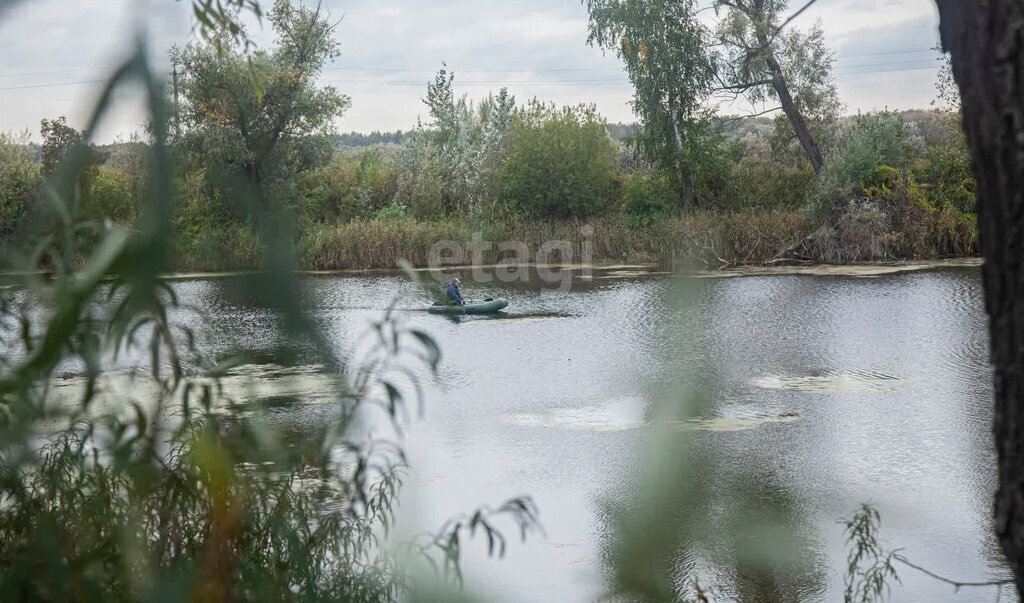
54,51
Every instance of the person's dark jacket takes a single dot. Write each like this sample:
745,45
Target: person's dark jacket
454,295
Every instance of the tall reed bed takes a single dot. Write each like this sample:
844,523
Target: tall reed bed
702,238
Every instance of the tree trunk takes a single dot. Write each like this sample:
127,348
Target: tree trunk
986,42
793,114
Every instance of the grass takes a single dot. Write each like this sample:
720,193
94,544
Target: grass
749,237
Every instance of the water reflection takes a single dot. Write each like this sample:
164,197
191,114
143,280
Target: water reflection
820,392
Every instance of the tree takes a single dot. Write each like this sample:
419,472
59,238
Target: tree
947,94
19,178
448,164
262,133
763,62
983,38
131,161
561,163
496,112
58,139
665,48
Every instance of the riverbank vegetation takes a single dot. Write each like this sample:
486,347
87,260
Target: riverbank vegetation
130,470
165,494
684,184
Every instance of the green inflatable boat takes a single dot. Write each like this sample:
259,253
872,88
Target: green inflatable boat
488,306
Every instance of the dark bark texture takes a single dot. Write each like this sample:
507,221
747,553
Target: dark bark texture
803,134
986,42
765,40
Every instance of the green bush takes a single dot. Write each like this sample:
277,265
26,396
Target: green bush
109,195
875,140
346,188
561,163
647,194
946,170
919,229
199,208
19,178
762,183
393,212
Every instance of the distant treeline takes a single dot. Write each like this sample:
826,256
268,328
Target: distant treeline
360,140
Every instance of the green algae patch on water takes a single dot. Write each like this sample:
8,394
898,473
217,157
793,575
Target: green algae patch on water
870,270
246,384
833,384
614,418
624,274
732,423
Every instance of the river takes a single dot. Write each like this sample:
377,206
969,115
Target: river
818,393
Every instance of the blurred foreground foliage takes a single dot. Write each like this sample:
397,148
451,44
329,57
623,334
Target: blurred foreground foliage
142,481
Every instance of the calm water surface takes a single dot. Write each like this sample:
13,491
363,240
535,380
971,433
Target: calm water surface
825,391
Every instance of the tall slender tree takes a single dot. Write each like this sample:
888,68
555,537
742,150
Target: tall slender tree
764,62
665,47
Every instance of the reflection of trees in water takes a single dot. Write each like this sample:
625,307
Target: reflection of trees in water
739,535
698,515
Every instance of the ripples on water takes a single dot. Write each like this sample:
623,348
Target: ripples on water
826,391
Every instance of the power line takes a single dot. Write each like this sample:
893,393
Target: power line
53,85
888,70
458,70
26,73
871,54
491,81
917,62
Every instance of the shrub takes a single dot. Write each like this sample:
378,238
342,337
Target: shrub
419,183
763,183
108,195
393,212
448,165
894,219
946,168
345,189
647,194
875,140
19,178
562,163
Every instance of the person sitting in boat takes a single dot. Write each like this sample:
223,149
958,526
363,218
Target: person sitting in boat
454,296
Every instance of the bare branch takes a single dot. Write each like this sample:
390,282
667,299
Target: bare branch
738,118
779,29
955,583
746,86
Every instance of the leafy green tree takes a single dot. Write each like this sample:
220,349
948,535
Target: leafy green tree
496,112
449,163
948,95
19,179
665,47
561,163
765,63
58,139
131,161
109,195
261,135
